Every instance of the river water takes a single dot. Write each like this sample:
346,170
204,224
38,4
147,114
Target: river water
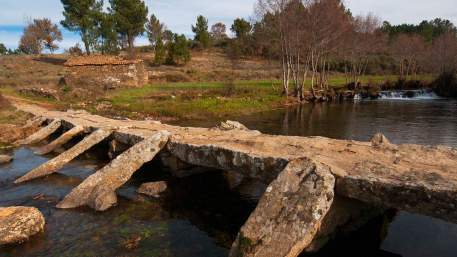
199,216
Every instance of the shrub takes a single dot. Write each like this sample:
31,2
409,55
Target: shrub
75,50
178,51
446,85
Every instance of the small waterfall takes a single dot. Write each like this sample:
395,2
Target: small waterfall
419,94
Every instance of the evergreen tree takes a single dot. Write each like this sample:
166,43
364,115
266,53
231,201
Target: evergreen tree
3,49
159,51
202,36
81,16
108,40
178,50
154,29
241,28
130,17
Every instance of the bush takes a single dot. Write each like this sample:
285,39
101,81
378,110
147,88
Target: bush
75,50
446,85
177,77
403,84
178,51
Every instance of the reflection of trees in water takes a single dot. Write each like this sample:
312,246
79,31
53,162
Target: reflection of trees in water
324,119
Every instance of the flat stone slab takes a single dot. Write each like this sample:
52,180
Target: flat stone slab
18,224
98,190
373,172
63,139
57,163
289,214
42,134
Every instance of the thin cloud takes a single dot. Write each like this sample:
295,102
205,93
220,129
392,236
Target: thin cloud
179,15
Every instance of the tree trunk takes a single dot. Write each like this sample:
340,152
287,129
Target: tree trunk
131,50
86,43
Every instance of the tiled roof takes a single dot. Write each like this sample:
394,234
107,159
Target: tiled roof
98,60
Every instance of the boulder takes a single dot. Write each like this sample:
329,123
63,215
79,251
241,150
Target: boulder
153,189
381,141
17,224
5,159
231,125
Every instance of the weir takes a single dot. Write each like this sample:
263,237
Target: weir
306,176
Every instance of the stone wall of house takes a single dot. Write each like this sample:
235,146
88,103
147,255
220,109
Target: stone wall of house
105,77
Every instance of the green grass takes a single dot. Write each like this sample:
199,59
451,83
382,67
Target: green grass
211,99
197,100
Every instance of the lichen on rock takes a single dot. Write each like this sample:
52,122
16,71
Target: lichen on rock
18,224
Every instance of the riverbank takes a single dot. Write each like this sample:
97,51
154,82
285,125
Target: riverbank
196,100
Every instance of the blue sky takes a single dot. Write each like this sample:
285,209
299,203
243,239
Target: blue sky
178,15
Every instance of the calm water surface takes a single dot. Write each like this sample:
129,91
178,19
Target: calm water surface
199,216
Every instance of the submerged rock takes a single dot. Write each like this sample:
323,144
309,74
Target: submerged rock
5,159
17,224
153,189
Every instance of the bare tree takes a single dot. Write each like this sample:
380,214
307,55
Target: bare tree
219,31
279,28
309,33
360,44
443,53
408,49
39,35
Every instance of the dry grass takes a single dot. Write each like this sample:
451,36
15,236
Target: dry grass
31,71
4,103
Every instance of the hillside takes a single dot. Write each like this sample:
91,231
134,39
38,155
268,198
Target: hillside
206,66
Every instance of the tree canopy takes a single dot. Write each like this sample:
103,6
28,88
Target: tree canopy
40,34
241,28
154,29
130,17
429,30
3,49
202,36
82,16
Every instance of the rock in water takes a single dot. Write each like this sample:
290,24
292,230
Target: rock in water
5,159
379,140
231,125
153,189
17,224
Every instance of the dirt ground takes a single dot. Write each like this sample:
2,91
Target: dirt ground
46,71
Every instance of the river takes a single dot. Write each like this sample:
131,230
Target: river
199,216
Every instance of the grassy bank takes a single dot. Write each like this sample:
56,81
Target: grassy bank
190,100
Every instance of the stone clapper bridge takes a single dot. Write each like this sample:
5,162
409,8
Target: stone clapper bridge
307,177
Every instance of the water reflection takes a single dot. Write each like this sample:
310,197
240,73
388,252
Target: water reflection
427,122
200,216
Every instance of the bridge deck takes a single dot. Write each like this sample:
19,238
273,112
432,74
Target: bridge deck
414,178
303,173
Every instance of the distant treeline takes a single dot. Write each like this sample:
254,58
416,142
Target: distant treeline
309,38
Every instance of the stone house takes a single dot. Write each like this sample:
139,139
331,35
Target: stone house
104,72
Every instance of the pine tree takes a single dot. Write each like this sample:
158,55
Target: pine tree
130,17
202,36
81,16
